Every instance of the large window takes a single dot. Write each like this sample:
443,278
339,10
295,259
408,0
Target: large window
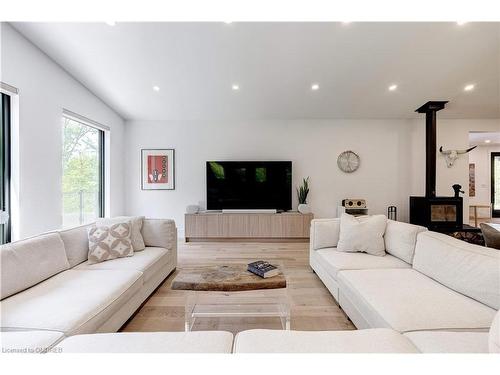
83,172
5,124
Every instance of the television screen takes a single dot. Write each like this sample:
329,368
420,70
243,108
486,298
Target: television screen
249,185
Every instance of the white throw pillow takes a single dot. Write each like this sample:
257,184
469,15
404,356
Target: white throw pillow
363,234
110,242
135,236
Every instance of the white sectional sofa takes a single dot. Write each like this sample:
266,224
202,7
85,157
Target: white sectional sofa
49,291
376,340
430,294
427,283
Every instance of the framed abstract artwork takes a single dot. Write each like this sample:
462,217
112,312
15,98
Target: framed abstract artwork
472,180
158,169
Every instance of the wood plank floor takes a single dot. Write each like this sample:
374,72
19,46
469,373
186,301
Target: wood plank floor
312,306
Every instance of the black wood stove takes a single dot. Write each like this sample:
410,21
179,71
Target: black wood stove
441,214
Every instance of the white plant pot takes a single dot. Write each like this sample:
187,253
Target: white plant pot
304,209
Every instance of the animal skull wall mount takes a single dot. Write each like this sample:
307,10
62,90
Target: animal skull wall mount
451,155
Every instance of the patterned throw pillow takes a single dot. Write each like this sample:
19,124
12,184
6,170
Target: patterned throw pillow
110,242
136,225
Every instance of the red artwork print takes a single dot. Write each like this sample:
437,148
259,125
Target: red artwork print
157,169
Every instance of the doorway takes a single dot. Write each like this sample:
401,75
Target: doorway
495,184
484,177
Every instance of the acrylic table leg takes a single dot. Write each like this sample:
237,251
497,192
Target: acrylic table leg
190,305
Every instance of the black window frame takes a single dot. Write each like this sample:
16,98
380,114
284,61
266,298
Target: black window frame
5,166
102,173
494,213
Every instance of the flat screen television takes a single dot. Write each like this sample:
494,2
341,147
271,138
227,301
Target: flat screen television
249,185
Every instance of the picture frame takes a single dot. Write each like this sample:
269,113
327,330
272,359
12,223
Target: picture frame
472,180
158,169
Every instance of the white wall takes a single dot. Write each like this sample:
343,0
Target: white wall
392,151
481,157
44,90
451,134
312,145
454,134
392,159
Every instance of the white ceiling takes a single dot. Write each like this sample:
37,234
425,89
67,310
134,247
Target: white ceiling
480,138
195,64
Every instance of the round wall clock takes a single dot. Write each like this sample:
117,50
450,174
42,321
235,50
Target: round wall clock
348,161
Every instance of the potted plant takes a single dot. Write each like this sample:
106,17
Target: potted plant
302,192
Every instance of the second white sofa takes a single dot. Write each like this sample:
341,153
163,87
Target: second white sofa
428,281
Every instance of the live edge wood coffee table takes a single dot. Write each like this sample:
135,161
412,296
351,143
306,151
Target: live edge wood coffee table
231,291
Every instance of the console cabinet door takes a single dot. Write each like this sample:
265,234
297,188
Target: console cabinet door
203,226
291,226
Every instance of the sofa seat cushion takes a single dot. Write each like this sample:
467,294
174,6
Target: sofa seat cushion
149,262
72,301
362,341
150,342
29,341
335,261
449,342
406,300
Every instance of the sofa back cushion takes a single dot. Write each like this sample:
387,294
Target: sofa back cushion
324,233
28,262
159,233
401,238
468,269
76,243
491,234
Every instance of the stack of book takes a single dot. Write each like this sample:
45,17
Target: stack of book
263,269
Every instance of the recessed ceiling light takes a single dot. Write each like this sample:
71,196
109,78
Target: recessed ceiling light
110,23
487,141
461,23
315,86
156,88
346,22
228,22
235,87
469,87
393,87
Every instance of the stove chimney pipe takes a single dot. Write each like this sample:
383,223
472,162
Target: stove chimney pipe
430,109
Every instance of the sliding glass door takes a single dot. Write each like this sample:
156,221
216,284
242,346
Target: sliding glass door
495,183
83,173
5,125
